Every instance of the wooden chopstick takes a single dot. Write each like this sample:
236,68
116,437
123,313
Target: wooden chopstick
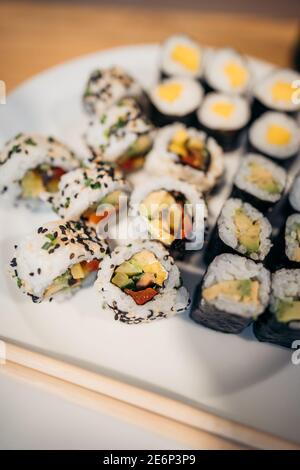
151,409
185,435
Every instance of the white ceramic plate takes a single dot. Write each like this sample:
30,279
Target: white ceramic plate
235,376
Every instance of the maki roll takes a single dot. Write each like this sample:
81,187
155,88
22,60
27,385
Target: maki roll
175,99
275,92
140,283
107,86
121,135
31,166
225,117
227,71
292,238
58,256
186,154
173,212
275,135
244,229
234,291
91,194
281,324
181,56
294,194
259,181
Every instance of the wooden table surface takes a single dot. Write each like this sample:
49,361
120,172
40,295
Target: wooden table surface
38,35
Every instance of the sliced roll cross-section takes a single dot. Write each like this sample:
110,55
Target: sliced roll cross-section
121,135
187,154
106,86
172,211
31,166
57,257
234,291
281,324
91,194
141,283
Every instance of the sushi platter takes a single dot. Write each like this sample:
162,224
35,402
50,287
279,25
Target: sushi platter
212,326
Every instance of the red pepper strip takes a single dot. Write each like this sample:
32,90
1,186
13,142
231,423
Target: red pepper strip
195,160
57,172
132,164
127,165
95,219
187,225
142,296
92,265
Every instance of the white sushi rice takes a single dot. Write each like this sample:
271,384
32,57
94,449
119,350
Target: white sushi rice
188,100
263,90
292,244
107,86
242,183
294,195
259,130
82,188
35,266
227,267
27,151
194,200
171,66
237,119
161,161
285,287
227,228
215,75
116,130
172,298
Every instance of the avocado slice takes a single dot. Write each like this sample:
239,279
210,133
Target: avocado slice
263,178
288,310
129,268
245,287
297,230
58,284
121,280
247,231
111,198
140,146
143,258
32,184
242,290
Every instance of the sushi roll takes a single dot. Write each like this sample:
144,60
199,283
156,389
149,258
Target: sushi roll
181,56
275,135
121,135
275,93
82,193
186,154
55,258
31,166
294,194
224,117
292,238
174,213
234,291
107,86
259,181
281,324
141,283
175,99
244,229
227,71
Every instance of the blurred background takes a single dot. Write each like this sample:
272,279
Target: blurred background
35,35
